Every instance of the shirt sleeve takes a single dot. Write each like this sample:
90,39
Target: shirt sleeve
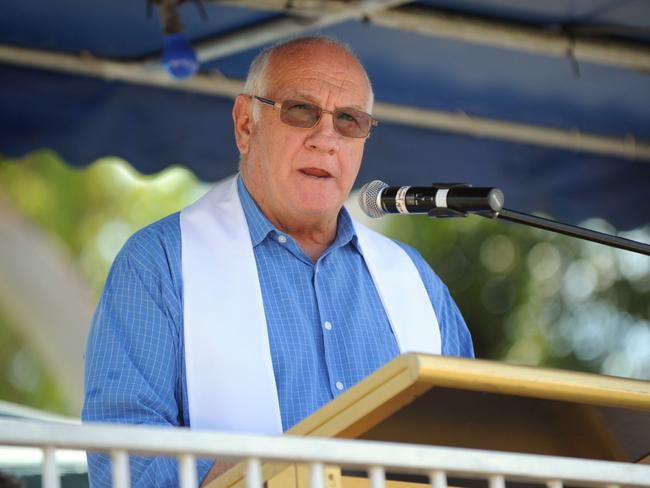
455,336
132,361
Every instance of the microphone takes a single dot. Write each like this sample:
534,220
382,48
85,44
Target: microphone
377,199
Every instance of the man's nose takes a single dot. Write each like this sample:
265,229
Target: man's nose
323,137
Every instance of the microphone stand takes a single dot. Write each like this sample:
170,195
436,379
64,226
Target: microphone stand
572,230
491,206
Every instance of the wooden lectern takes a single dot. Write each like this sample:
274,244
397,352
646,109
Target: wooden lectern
446,401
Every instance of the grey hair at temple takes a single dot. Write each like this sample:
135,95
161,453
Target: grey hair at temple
257,73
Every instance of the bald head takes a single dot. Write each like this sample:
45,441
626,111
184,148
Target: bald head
271,59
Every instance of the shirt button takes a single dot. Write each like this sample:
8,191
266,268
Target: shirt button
282,239
327,325
339,386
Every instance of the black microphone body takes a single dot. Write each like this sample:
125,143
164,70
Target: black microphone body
438,200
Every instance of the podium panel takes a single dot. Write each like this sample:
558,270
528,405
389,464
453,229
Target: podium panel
459,418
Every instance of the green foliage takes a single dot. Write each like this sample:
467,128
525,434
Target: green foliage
92,212
24,378
535,297
95,209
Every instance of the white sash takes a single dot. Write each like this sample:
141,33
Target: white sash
230,380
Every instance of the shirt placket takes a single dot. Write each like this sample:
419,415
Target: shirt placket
330,330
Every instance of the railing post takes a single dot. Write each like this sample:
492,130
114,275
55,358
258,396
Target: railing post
121,476
438,479
497,481
377,477
253,473
316,475
187,471
50,470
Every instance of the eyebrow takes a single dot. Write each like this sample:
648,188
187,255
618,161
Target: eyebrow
309,98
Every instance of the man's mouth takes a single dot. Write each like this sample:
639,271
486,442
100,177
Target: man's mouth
315,172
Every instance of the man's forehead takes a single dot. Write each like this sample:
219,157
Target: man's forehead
315,86
310,77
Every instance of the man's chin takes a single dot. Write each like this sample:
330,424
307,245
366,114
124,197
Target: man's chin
317,209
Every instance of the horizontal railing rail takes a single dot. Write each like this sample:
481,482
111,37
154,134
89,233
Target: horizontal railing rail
375,458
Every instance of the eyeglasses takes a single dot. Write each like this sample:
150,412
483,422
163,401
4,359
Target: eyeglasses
348,122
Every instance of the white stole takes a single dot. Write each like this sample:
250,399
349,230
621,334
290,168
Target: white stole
230,381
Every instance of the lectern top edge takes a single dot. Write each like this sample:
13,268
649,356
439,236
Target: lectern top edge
530,381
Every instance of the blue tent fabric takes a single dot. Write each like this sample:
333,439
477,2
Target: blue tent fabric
84,118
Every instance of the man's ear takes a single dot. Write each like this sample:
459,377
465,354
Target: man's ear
242,116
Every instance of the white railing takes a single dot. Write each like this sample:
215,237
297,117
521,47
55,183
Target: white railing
375,458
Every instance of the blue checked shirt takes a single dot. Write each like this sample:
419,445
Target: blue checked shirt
327,331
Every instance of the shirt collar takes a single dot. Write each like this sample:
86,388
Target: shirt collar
260,226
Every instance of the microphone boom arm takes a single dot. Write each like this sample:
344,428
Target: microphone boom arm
574,231
496,210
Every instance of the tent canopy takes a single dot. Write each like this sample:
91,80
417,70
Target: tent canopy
549,101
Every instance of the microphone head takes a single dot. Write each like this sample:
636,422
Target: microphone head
368,198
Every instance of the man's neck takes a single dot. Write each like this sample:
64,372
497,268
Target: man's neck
313,234
313,237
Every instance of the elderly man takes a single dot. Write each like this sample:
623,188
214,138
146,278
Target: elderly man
262,301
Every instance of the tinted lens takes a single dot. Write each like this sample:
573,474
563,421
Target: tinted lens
350,122
300,114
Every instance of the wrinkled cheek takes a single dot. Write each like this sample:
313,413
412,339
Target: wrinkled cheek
351,174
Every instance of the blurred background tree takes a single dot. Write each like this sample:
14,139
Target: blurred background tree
529,296
90,213
539,298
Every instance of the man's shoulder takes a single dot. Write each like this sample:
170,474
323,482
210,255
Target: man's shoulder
428,276
423,267
165,231
157,244
456,338
413,253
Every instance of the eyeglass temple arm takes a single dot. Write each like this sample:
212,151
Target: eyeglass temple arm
273,103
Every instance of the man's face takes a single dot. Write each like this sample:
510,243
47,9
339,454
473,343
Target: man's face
302,176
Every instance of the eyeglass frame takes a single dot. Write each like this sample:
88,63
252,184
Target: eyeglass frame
278,106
